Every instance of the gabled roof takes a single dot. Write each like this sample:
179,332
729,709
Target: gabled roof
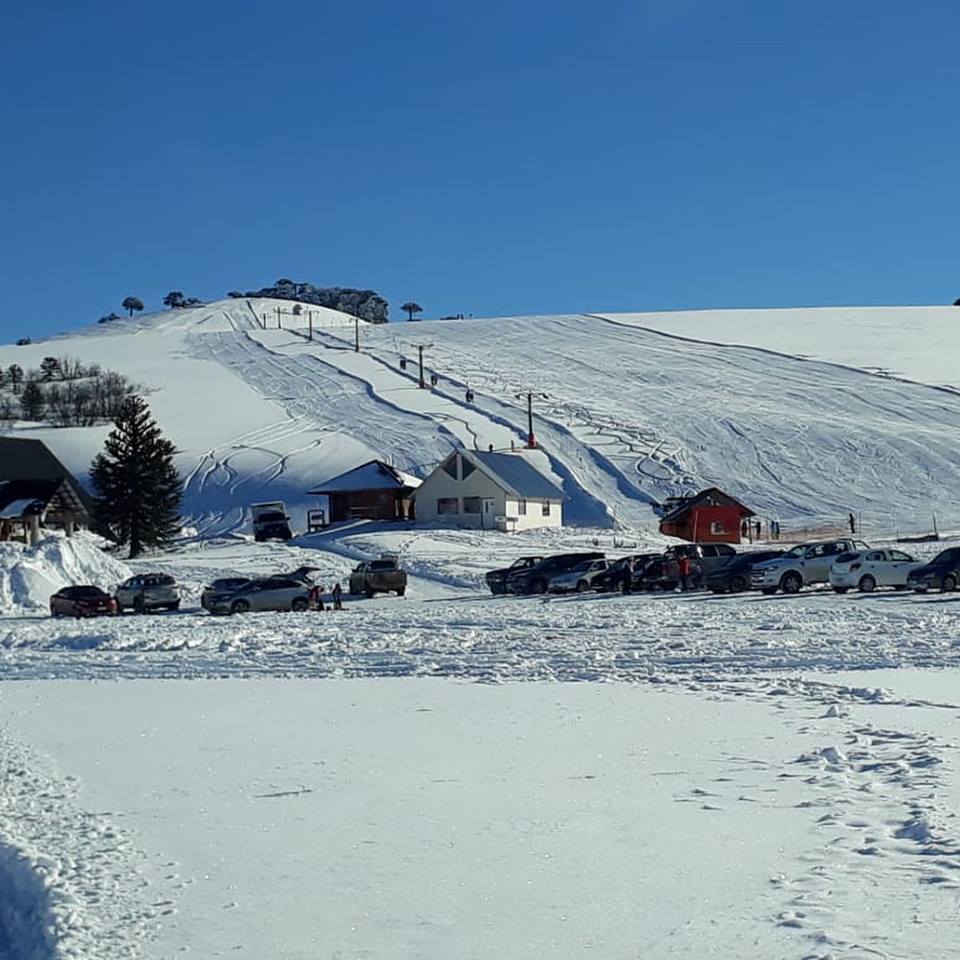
22,459
375,475
23,497
515,474
702,498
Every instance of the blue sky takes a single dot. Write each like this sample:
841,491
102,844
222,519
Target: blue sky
496,158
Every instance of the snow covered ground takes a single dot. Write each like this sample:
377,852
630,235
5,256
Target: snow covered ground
453,774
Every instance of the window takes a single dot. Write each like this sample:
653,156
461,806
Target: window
899,555
522,508
545,508
451,467
448,505
466,468
716,527
471,504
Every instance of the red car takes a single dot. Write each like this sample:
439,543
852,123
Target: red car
82,602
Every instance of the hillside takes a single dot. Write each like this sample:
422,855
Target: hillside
637,407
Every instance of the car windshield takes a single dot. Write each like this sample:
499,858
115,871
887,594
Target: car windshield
383,565
847,557
271,517
796,552
88,593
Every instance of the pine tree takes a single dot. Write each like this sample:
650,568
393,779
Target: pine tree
138,491
412,307
131,304
15,373
31,401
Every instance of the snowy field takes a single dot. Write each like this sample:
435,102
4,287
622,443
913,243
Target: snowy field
454,774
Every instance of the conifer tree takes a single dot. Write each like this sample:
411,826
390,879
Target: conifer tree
138,491
31,401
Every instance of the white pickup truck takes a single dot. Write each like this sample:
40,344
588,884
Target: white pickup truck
806,563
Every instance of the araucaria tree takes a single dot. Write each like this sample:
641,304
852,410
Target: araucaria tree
412,307
31,401
131,304
138,491
174,299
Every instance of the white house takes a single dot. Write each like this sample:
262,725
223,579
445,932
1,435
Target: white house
489,490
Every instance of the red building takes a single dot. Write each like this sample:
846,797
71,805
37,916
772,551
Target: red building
372,491
710,516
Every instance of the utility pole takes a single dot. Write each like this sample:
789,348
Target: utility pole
531,439
420,348
310,322
264,321
356,334
278,319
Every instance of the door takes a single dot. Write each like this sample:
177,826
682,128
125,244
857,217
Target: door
898,568
486,517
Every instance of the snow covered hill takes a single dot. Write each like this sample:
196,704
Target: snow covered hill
629,408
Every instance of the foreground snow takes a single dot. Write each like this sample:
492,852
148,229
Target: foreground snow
428,818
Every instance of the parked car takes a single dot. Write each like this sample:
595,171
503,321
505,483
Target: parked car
270,521
579,577
942,573
269,593
705,558
148,591
84,601
870,569
733,575
536,578
221,588
806,563
379,576
497,579
612,577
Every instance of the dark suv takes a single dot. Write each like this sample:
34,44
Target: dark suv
497,579
536,578
733,576
612,577
942,573
705,558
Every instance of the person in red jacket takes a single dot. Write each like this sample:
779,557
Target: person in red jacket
683,570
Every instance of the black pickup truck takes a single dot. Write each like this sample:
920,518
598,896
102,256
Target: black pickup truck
497,579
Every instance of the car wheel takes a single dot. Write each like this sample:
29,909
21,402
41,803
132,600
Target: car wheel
538,586
240,606
138,606
582,586
867,584
840,589
738,585
401,591
299,605
791,583
369,594
949,584
919,589
174,606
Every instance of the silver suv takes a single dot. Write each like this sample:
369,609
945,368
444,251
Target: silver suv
148,591
804,564
270,593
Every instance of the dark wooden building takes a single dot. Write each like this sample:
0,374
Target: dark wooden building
37,490
372,491
710,516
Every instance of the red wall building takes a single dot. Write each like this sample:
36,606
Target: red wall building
710,516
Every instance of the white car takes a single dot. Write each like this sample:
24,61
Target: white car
870,569
579,577
806,563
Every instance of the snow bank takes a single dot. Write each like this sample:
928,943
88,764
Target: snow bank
29,575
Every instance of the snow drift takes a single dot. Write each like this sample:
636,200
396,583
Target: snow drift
30,575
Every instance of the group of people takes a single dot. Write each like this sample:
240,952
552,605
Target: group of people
689,572
317,594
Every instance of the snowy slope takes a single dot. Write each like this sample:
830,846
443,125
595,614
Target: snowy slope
631,414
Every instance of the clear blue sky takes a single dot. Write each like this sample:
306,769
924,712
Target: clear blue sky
511,156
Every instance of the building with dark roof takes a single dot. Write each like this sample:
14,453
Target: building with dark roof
372,491
503,491
37,490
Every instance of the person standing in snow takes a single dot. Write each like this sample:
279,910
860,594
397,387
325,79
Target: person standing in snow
853,523
337,596
316,597
683,571
626,576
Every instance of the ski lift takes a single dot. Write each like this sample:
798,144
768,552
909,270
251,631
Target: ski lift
403,363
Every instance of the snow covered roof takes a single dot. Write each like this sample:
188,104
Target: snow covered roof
712,496
516,475
15,508
375,475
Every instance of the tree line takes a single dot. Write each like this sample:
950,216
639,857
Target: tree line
63,391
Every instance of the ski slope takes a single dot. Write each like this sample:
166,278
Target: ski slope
629,409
